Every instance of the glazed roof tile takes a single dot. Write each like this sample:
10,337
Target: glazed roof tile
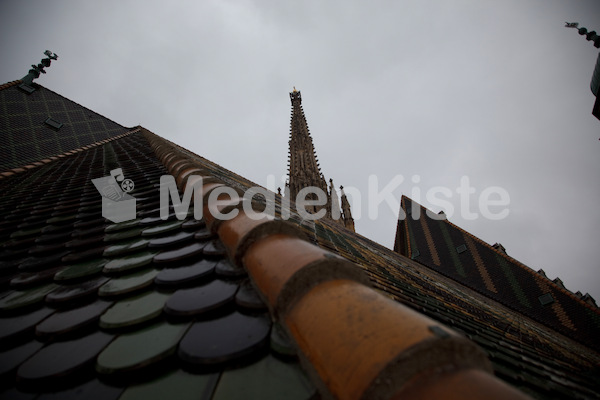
181,307
65,255
25,137
494,274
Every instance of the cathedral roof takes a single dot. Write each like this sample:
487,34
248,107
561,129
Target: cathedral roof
24,140
446,248
242,308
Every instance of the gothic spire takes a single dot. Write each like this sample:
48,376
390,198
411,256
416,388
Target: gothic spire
304,170
335,203
346,213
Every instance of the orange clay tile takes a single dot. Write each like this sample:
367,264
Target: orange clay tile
9,84
198,179
240,232
179,166
173,160
466,384
184,174
284,268
167,156
363,345
224,205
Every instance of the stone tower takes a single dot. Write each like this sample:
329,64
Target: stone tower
304,170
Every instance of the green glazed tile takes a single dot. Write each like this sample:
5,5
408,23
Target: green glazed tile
59,220
125,248
134,310
25,233
187,386
13,357
141,348
268,378
94,207
120,235
281,343
121,226
132,261
80,270
128,283
162,228
21,298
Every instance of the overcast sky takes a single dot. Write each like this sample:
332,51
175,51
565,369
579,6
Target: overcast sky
497,91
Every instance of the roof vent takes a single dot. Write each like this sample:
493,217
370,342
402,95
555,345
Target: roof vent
559,282
589,299
461,249
26,88
542,273
499,247
546,299
54,124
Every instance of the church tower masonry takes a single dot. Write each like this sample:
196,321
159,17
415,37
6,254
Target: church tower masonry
304,170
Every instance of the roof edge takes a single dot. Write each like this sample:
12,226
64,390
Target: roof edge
381,336
513,260
10,84
35,164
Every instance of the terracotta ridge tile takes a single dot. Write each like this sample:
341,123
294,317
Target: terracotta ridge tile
466,384
384,338
285,267
239,233
10,84
363,345
267,263
192,157
516,262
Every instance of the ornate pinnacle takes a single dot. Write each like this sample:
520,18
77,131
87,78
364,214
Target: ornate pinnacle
36,70
591,36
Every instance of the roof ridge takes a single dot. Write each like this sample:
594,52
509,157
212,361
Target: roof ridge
319,297
35,164
516,262
10,84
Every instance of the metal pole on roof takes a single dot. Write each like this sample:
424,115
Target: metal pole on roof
595,82
36,70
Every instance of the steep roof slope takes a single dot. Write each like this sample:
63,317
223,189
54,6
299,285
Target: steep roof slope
224,309
453,252
91,306
25,137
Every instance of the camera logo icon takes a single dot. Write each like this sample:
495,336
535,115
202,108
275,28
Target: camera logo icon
117,204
